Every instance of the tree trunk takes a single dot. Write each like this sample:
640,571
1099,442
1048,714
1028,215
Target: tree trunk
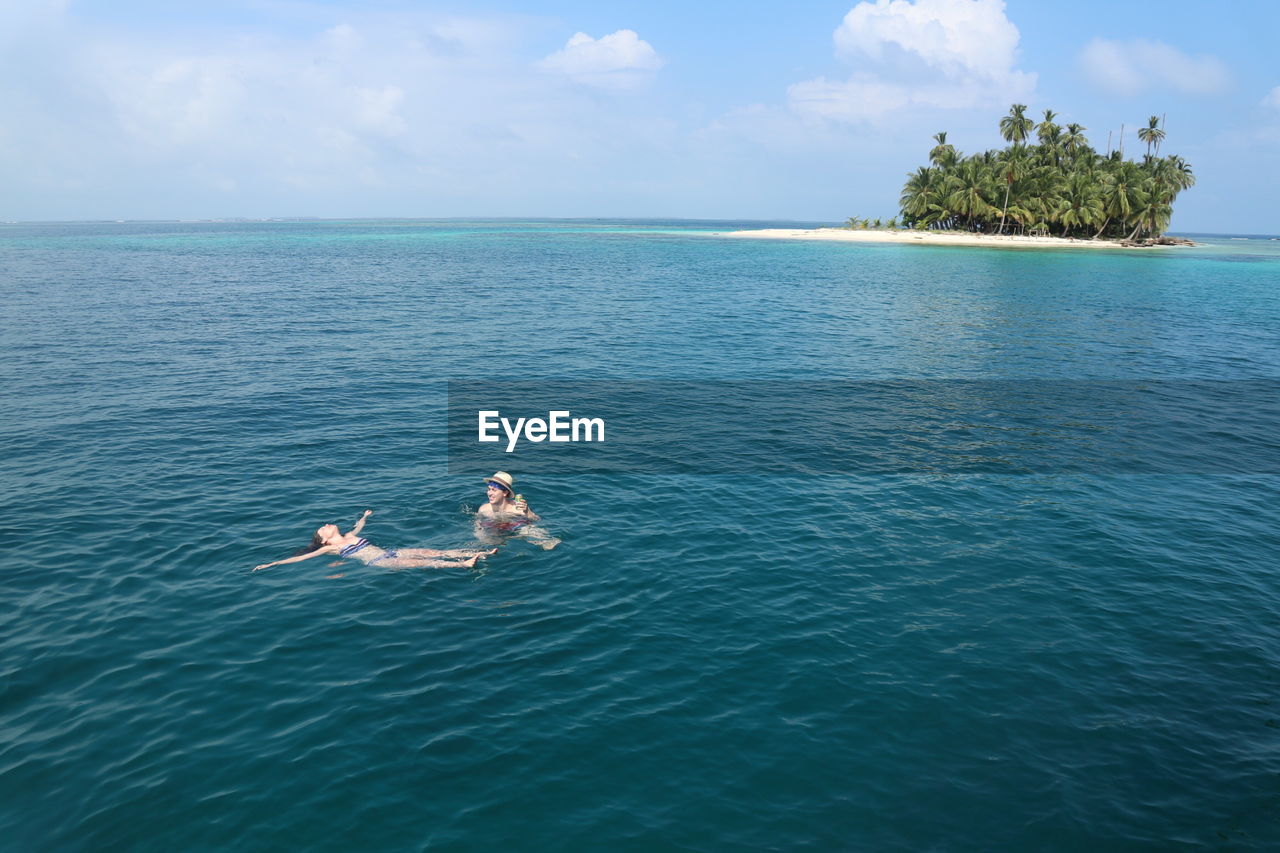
1007,186
1105,223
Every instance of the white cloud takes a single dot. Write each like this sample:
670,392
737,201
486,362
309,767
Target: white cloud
865,97
328,97
1272,99
1135,66
956,36
618,60
380,114
949,54
375,109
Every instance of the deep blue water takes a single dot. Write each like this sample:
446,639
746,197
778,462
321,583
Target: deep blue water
708,661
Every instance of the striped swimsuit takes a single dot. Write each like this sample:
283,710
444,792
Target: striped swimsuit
364,552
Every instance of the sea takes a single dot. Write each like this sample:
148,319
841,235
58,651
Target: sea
770,647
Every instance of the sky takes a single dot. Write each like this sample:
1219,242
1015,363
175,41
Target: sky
811,111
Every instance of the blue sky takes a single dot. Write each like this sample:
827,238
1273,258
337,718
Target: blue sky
811,111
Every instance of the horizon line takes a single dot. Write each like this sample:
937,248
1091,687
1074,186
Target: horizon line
269,219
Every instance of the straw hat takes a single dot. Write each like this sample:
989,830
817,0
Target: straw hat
503,479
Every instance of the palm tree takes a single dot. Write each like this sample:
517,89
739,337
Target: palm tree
1048,131
969,187
1152,215
1151,134
920,196
1011,166
1021,215
1080,205
1178,173
1075,139
1016,127
1050,136
942,154
1121,194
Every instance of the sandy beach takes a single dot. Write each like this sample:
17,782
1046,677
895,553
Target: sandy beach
923,238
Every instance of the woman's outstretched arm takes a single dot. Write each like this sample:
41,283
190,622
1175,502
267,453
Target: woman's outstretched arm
355,531
326,549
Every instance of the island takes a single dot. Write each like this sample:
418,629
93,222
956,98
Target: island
1058,191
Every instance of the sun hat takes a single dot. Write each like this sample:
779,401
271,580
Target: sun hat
503,479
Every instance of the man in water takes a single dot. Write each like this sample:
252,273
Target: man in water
509,513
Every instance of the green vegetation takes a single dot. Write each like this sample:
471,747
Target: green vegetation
857,223
1056,185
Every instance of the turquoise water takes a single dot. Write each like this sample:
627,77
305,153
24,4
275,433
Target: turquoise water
708,661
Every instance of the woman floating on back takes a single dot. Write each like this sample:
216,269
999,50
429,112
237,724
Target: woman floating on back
328,540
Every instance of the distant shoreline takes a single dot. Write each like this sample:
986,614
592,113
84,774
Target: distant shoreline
925,238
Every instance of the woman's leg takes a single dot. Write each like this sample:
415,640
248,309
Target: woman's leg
538,536
432,552
403,562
